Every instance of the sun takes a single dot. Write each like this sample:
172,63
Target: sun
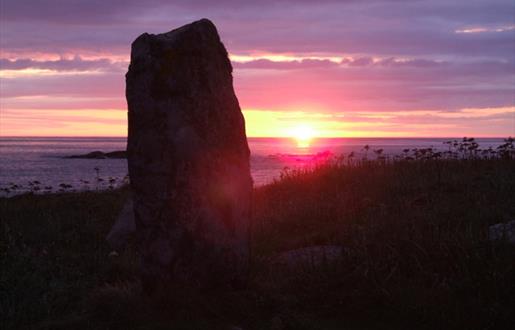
303,134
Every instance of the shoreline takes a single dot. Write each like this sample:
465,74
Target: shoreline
267,161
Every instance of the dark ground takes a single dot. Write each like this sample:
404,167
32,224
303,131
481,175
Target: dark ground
416,255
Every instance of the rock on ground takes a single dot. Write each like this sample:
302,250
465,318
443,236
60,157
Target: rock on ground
188,159
502,231
123,228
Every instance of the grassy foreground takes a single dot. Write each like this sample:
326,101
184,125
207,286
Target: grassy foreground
416,255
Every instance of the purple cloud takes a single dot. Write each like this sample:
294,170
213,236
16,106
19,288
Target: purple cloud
376,27
74,64
285,65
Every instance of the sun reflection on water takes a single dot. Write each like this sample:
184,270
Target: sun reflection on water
303,144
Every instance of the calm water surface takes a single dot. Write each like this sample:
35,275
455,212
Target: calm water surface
24,160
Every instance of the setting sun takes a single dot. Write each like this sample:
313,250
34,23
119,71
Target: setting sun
303,134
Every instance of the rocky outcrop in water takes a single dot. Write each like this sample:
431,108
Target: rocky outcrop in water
101,155
188,159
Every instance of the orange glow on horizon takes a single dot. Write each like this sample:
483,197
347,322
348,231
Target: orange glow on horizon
301,126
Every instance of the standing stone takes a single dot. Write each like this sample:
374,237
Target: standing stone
188,159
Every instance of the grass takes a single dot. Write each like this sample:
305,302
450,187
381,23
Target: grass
416,255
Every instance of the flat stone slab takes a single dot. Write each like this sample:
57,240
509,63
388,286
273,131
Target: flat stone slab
309,257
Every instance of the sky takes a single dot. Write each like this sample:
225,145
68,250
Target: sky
369,68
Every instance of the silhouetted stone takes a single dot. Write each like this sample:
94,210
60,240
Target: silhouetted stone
188,159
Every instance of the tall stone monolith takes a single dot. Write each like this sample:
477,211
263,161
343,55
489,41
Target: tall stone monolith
188,159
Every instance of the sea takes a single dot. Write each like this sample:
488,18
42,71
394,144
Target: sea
38,164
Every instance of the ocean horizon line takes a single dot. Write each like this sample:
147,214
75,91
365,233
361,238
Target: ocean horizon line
267,137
